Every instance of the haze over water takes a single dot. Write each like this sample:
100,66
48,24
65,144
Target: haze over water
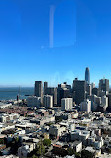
12,92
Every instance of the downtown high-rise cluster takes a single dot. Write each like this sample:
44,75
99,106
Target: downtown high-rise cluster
81,94
63,121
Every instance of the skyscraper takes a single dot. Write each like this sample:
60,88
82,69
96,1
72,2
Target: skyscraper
45,87
109,102
88,89
104,85
52,91
87,75
62,93
39,90
79,90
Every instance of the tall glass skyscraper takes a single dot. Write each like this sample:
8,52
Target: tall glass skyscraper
87,75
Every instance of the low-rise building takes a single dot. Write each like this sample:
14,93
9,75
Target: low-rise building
56,130
24,150
99,143
96,153
5,105
77,145
8,117
75,135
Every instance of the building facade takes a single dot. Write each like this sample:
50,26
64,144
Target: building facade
39,90
48,101
104,85
45,87
66,104
52,91
87,75
86,106
34,101
79,90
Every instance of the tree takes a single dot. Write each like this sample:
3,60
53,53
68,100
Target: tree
17,139
47,142
34,156
40,149
109,150
87,154
2,141
70,151
0,153
77,155
17,142
58,120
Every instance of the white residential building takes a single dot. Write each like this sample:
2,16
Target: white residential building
56,130
97,153
66,104
104,102
48,101
85,106
97,100
5,105
7,117
72,127
77,145
99,143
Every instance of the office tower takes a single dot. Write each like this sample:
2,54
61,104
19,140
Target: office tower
66,104
79,90
88,89
62,93
102,93
67,85
52,91
97,100
85,106
95,91
109,102
34,101
39,90
92,85
104,85
48,101
64,85
87,75
45,87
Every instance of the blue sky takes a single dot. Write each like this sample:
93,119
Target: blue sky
54,40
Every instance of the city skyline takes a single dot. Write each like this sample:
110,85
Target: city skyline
80,34
55,84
